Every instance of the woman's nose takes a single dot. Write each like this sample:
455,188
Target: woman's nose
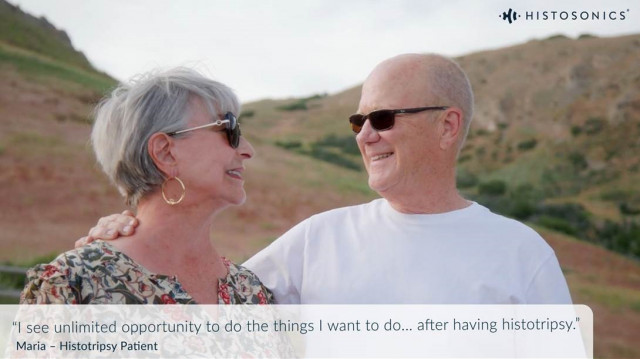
245,148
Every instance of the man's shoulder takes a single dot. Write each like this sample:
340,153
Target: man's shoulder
342,212
331,220
508,230
499,221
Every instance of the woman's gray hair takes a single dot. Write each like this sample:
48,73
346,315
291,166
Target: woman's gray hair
158,101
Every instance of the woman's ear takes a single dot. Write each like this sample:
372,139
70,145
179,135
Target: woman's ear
160,148
451,127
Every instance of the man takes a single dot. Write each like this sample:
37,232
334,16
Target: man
422,242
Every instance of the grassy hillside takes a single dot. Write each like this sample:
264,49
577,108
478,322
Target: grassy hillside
24,31
554,143
558,123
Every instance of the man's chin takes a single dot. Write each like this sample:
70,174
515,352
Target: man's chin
377,185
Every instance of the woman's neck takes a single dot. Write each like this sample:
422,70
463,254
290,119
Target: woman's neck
173,240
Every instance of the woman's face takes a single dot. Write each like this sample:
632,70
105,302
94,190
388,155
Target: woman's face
209,167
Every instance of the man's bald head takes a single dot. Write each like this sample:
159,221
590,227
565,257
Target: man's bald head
427,80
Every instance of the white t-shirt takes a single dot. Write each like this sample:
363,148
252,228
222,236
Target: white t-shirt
371,253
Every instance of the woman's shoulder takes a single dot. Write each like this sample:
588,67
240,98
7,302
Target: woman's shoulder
53,282
61,280
73,261
241,273
243,286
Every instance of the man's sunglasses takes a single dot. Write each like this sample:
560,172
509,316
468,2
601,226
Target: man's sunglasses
382,120
231,127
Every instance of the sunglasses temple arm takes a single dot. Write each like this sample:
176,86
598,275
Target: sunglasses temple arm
217,123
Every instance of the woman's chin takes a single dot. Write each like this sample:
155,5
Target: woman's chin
240,200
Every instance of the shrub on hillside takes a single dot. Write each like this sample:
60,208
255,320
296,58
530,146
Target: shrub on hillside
576,130
557,37
466,179
594,125
301,104
557,224
523,201
246,114
586,36
323,154
288,145
628,209
615,194
492,188
578,161
521,209
574,214
337,150
621,237
527,145
464,158
346,143
295,106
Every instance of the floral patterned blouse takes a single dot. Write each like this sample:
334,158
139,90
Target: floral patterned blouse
100,274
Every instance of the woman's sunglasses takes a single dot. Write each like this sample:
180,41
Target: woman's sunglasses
231,127
382,120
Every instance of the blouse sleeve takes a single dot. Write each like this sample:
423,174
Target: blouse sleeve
49,284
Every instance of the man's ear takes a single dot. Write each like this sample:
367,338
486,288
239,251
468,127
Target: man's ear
452,126
160,148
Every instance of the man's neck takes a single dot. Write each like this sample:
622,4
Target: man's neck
428,203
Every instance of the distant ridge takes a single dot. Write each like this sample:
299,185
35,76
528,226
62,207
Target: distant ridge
23,30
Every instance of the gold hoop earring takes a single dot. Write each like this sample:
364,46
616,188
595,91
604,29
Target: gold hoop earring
171,201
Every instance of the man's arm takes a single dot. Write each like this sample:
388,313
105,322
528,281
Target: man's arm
549,285
280,266
110,228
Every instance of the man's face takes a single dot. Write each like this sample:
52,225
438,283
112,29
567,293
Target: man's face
400,161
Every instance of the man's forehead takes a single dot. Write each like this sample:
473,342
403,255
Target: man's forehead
393,93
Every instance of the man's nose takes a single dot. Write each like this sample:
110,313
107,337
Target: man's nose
367,133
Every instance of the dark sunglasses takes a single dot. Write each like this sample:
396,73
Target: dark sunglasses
382,120
231,127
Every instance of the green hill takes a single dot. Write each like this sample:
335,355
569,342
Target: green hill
37,50
24,31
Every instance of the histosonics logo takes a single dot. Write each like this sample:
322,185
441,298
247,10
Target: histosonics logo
511,16
576,15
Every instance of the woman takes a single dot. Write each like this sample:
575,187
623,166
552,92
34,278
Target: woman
171,143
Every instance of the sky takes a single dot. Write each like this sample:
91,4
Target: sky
297,48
